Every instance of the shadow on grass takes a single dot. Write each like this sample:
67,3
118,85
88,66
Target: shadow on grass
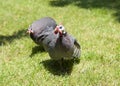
37,49
10,38
109,4
54,67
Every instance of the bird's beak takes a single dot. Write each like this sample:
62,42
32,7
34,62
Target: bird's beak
29,31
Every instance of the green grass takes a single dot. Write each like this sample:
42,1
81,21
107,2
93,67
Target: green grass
95,26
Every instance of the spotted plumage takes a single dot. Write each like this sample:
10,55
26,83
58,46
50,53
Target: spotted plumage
39,27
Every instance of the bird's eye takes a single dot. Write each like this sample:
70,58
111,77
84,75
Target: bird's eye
60,27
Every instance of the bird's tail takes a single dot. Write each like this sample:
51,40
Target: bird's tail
77,52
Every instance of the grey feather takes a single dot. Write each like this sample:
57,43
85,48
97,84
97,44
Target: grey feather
41,26
65,47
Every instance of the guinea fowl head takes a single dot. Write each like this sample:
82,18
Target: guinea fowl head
60,29
30,31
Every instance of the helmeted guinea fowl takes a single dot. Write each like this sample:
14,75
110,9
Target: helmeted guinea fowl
40,27
60,45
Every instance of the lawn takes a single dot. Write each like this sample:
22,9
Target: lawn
94,23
